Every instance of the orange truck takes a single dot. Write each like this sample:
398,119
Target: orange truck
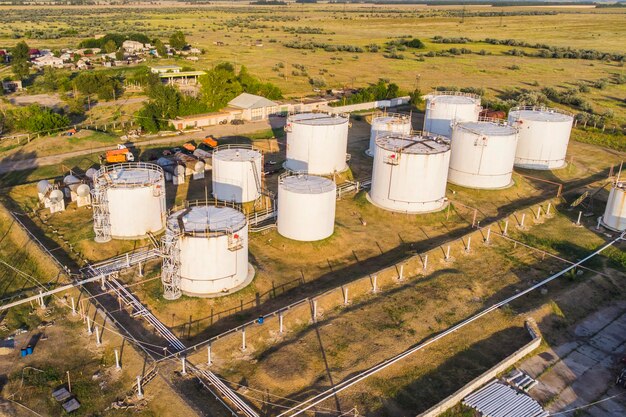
210,142
119,155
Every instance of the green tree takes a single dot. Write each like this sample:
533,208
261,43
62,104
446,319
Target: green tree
160,48
110,46
37,119
20,57
177,40
416,97
219,86
119,55
105,86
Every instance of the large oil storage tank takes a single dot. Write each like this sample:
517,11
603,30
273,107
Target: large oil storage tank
317,143
209,246
443,108
543,136
306,206
410,172
388,123
237,173
129,201
482,154
614,216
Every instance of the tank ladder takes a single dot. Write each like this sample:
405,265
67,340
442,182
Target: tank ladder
235,242
170,271
101,222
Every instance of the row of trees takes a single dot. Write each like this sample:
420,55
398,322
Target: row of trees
111,42
34,119
382,90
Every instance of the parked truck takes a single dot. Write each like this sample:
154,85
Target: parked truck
121,154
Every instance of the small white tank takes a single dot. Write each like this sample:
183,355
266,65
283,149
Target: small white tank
134,199
306,206
388,123
43,189
90,173
83,195
71,184
482,154
615,213
213,249
237,173
410,172
543,136
56,201
317,143
443,108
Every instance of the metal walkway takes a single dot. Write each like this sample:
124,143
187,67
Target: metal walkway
120,262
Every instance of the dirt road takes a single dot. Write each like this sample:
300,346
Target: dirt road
9,164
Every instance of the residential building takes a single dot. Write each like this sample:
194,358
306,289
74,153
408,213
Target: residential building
11,86
133,47
162,69
48,61
202,120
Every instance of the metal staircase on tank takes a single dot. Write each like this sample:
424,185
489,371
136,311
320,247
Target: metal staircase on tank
101,223
170,270
259,186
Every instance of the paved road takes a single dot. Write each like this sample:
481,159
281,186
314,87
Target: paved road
9,164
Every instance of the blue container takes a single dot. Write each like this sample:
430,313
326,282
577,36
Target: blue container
29,350
260,320
23,352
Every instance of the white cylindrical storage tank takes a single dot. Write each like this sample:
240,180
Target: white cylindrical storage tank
410,172
306,206
237,173
43,189
71,183
135,198
482,154
443,108
212,248
317,143
543,136
57,201
388,123
615,213
83,195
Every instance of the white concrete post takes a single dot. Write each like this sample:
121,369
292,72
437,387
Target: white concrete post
506,227
102,287
314,311
469,243
209,360
448,253
488,234
375,284
580,214
280,323
401,276
139,393
117,360
42,304
127,259
89,326
184,364
140,267
538,212
425,262
243,339
73,307
98,341
599,221
345,296
523,218
548,210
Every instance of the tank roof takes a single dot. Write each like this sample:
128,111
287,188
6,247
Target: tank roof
236,154
541,115
317,119
135,174
391,119
488,128
307,184
454,99
418,145
203,219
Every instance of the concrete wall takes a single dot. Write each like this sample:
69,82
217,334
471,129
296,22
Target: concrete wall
394,102
455,398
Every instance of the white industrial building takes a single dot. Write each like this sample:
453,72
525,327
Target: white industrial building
205,251
253,107
444,108
317,143
387,123
614,217
306,206
410,172
237,173
543,136
483,154
128,201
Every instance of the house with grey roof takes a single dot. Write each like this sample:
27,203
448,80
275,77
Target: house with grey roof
253,107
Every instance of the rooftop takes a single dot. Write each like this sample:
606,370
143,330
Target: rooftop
250,101
418,145
205,218
317,119
236,154
488,128
541,115
307,184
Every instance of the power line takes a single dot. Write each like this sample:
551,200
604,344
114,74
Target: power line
587,405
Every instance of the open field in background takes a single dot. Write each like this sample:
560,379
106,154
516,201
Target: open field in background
361,25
